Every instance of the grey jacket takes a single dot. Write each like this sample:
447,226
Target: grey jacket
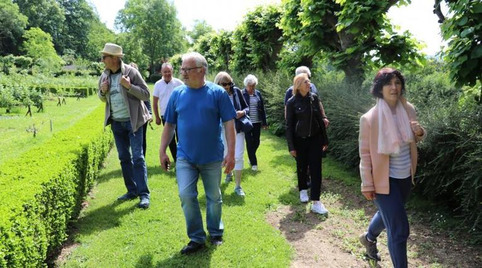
135,97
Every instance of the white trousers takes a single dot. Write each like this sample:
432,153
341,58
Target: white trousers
238,150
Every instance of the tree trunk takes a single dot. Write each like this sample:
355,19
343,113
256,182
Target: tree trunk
354,73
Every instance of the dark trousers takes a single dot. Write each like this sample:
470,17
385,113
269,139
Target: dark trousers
144,139
308,153
392,216
172,144
252,143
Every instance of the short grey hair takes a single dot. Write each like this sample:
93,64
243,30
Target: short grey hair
198,58
303,70
250,80
166,64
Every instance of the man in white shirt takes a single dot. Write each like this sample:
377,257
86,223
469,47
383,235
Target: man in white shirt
162,92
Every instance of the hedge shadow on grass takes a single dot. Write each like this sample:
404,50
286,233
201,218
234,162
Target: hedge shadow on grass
105,218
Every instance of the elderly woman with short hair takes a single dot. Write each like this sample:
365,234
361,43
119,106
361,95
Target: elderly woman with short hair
257,114
225,81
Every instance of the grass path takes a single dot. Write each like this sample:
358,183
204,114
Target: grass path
16,130
113,234
268,228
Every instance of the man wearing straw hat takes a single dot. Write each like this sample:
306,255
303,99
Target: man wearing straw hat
124,91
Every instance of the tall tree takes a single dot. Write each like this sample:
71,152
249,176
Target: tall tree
153,23
12,25
217,49
47,15
463,30
38,45
349,33
257,41
98,35
201,28
75,31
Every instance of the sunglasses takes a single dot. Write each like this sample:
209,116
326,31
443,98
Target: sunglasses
226,84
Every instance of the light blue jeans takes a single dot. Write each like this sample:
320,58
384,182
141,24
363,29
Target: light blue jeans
187,177
133,166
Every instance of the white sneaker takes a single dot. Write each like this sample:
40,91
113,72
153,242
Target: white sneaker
304,196
319,208
254,168
239,191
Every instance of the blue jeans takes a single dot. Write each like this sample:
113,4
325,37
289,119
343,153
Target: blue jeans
392,215
187,177
134,168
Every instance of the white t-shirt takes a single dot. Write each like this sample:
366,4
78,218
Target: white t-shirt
163,91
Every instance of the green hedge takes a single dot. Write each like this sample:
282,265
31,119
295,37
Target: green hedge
450,159
44,189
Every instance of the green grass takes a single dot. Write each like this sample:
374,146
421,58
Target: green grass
113,234
16,129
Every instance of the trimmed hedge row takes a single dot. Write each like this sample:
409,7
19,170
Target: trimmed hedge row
44,189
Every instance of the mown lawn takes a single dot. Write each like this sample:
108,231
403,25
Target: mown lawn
114,234
16,129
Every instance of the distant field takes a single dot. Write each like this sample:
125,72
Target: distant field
17,130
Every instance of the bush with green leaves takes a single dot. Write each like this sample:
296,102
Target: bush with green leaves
12,64
46,187
17,89
450,160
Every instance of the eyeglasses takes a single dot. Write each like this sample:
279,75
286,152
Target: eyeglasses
105,56
226,84
188,70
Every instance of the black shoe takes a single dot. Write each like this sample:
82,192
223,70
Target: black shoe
127,196
216,240
144,203
192,247
370,247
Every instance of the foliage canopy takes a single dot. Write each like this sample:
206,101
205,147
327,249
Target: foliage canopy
153,23
350,34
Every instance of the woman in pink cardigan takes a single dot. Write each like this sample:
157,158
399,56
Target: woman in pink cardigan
388,159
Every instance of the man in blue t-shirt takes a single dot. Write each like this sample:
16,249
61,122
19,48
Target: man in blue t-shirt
197,108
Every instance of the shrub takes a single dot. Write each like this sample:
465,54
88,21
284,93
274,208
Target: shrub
450,160
46,187
450,165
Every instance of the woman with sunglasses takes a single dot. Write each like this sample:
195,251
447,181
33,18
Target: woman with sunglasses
307,139
224,80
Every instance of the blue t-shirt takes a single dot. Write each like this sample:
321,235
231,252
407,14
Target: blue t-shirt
198,114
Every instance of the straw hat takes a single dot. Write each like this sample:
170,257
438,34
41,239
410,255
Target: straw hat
112,49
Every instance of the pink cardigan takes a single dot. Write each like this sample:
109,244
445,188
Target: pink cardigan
374,167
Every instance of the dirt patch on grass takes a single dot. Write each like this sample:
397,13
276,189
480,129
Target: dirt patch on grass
332,241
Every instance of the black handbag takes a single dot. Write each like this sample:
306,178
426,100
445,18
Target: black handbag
246,125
